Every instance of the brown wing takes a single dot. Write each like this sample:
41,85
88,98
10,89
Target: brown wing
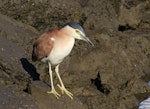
43,46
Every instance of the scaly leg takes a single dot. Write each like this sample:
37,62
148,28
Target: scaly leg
62,87
53,91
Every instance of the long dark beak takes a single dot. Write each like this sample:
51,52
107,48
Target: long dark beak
88,40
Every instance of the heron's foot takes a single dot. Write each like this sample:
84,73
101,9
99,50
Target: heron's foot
53,91
64,90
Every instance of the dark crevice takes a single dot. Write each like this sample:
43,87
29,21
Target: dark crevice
125,28
97,82
27,89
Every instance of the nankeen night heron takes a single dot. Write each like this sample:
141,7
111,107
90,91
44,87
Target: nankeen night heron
54,45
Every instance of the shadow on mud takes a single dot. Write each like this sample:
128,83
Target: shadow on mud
29,68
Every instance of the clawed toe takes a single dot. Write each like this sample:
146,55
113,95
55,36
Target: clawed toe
53,91
64,90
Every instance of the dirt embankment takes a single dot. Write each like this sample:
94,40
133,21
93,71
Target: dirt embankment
111,75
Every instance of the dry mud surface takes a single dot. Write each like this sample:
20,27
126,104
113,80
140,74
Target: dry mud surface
111,75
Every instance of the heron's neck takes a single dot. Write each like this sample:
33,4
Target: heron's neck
68,30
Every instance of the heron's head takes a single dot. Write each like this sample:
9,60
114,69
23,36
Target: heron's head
79,32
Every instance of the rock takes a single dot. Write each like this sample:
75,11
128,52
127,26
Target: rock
13,36
134,13
121,55
15,99
49,101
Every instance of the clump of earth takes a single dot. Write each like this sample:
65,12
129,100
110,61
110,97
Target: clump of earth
111,75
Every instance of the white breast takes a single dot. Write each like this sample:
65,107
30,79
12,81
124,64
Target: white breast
60,51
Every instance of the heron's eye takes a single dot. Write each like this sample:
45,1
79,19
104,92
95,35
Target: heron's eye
77,31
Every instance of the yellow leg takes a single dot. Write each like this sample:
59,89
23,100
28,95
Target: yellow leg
62,87
53,91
